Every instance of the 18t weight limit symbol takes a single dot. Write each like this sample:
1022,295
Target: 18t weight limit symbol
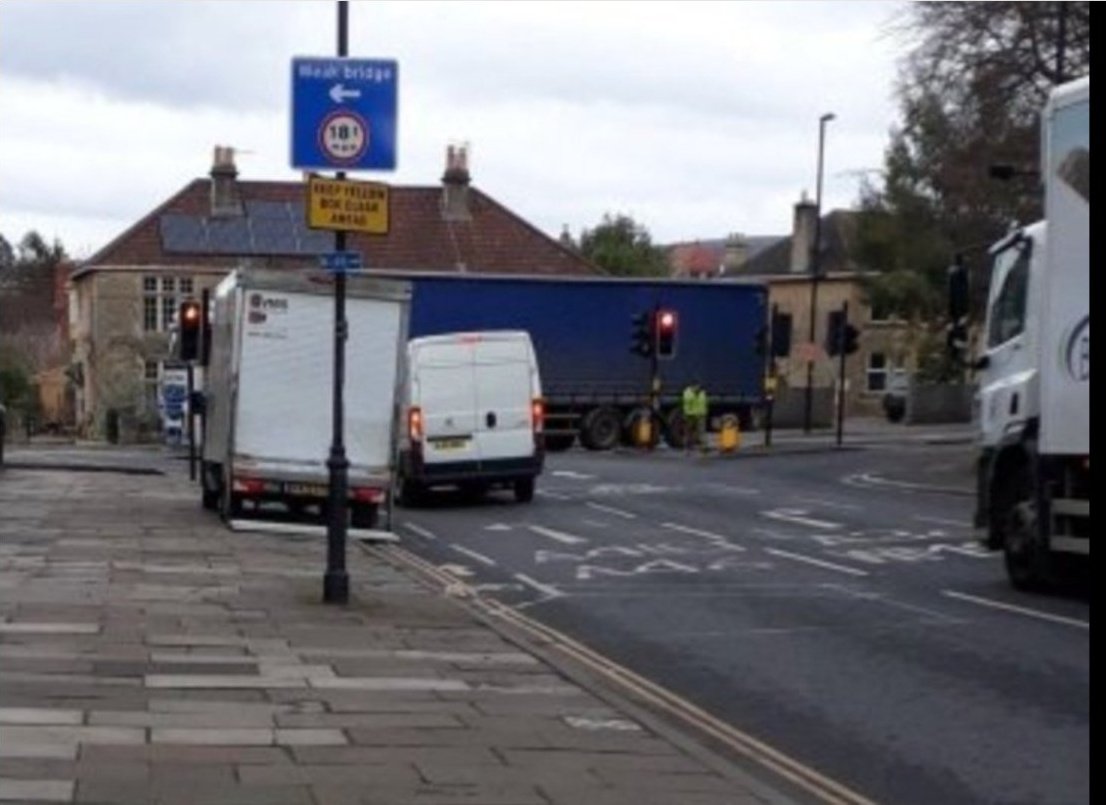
344,136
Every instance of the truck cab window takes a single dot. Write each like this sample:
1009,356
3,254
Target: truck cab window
1007,314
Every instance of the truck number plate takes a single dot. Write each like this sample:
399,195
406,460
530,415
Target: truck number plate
308,490
449,444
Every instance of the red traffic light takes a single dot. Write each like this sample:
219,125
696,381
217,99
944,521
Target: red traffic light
666,320
664,333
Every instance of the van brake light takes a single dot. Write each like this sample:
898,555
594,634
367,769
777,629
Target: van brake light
414,424
537,414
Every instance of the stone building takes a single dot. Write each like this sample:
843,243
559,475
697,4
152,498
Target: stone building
123,300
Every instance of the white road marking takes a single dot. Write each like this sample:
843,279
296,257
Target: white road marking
459,571
559,536
738,490
553,495
497,527
545,589
586,572
1033,613
479,557
698,532
797,516
942,521
829,504
612,510
578,476
852,571
422,532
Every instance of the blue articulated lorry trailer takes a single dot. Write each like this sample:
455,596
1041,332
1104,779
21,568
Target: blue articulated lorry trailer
595,387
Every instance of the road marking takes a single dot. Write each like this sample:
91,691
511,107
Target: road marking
553,495
422,532
737,490
811,560
479,557
545,589
829,504
868,480
824,788
576,476
559,536
459,571
612,510
700,533
942,521
797,516
1033,613
497,527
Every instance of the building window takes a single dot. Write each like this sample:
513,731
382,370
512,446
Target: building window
877,371
152,369
161,300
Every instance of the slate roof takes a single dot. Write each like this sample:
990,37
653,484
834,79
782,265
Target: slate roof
838,237
705,256
182,231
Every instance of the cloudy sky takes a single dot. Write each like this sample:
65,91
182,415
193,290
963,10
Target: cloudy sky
698,119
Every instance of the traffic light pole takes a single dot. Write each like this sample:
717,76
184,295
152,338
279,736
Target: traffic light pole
336,580
770,375
841,371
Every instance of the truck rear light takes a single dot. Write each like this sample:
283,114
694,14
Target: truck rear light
365,494
537,414
250,486
414,424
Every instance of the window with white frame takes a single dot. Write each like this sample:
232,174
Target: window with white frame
161,297
877,371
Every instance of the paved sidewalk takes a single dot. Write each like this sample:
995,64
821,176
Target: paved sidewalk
148,654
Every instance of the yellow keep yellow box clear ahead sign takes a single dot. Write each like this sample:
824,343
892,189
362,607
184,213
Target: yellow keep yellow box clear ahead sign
343,205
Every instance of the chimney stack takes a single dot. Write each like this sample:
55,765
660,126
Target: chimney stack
455,184
802,235
224,187
736,253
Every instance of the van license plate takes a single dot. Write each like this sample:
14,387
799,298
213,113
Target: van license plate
307,490
449,444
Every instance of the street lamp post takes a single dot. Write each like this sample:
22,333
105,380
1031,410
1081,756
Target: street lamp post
815,272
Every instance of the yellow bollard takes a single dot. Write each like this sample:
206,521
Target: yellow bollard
729,438
643,432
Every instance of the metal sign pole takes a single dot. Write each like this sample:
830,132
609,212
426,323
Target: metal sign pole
336,580
841,372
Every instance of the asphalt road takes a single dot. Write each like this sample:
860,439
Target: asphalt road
831,604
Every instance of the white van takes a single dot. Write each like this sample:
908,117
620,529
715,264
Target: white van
473,413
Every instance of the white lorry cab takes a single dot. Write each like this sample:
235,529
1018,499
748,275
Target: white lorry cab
473,415
269,394
1033,497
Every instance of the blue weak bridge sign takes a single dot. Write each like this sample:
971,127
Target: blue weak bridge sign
344,113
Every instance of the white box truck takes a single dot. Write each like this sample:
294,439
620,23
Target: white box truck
269,394
1033,495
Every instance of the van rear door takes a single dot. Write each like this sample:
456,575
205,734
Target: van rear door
443,388
505,387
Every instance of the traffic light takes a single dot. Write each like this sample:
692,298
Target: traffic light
641,342
781,335
840,335
851,335
189,324
664,329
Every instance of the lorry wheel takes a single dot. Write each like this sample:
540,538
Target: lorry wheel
1024,550
362,515
675,428
559,442
524,490
601,429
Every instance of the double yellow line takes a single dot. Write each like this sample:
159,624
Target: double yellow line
664,700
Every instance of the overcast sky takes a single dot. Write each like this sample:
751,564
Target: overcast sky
698,119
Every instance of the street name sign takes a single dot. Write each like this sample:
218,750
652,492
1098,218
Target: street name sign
347,206
342,262
344,113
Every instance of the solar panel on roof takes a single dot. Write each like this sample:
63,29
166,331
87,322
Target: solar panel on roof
273,236
229,236
183,233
